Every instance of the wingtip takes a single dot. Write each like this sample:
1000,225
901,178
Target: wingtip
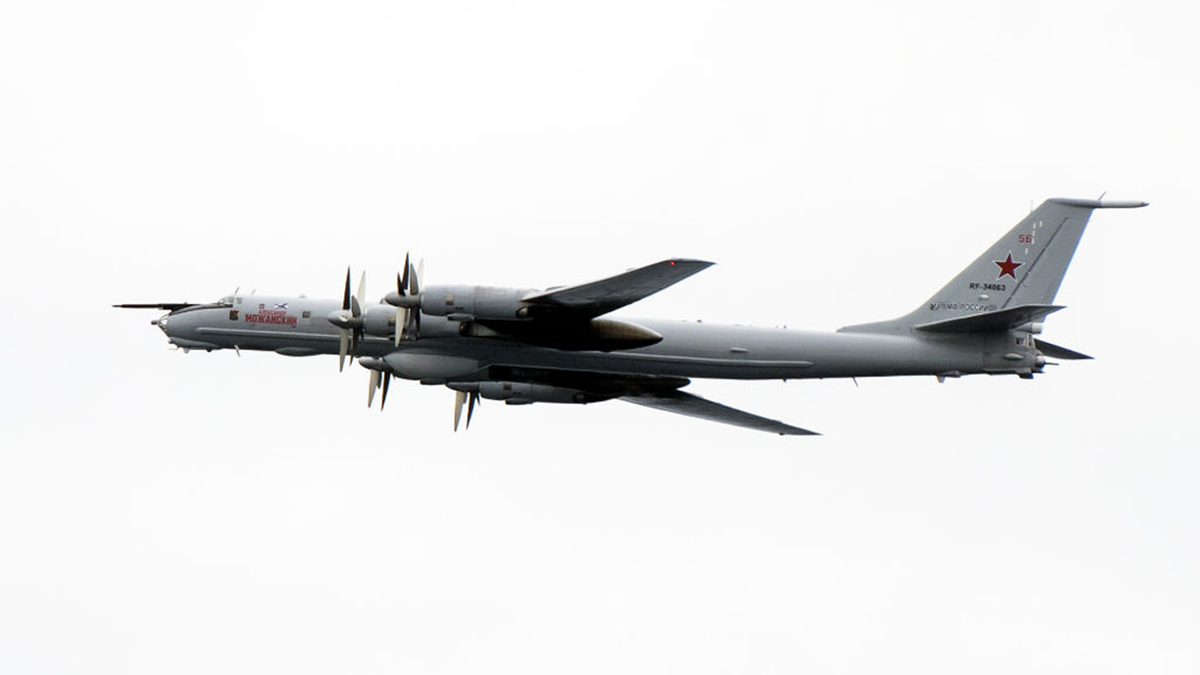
800,432
690,261
1098,204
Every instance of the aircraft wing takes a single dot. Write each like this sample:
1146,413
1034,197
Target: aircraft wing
601,297
652,391
684,403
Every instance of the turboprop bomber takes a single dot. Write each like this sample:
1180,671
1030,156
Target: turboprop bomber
562,345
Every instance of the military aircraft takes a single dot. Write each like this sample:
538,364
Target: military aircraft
560,345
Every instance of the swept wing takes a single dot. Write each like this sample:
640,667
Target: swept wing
595,298
658,392
683,403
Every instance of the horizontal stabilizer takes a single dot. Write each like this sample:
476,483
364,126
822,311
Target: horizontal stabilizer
684,403
1099,204
1056,352
997,321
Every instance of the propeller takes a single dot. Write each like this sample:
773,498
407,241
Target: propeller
387,379
461,397
378,381
407,297
351,324
401,311
349,319
381,377
372,385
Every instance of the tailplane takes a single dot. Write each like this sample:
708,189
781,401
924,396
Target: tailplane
1013,282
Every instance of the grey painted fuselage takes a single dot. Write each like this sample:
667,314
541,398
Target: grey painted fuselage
688,349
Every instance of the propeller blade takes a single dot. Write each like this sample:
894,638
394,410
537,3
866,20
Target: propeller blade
417,280
474,397
372,385
362,294
402,283
414,277
401,322
343,347
387,379
346,293
460,397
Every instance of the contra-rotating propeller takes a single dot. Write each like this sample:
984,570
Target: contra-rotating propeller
349,319
374,383
461,397
407,297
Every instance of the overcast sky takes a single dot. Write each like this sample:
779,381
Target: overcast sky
201,513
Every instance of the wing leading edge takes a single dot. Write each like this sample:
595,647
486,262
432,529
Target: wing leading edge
595,298
683,403
651,391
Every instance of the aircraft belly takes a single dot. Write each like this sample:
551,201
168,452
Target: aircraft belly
768,353
658,364
734,352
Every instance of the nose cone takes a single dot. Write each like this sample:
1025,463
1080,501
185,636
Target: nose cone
183,329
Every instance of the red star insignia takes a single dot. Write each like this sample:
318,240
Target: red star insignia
1007,267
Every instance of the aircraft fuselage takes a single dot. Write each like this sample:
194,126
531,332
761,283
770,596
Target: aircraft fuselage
690,349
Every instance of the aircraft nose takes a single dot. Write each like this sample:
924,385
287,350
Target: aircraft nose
161,322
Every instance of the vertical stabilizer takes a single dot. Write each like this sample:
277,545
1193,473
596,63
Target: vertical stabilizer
1025,267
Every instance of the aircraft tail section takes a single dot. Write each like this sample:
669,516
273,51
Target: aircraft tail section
1020,272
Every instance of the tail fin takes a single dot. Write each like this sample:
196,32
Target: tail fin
1023,269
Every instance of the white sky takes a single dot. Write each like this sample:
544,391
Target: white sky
841,161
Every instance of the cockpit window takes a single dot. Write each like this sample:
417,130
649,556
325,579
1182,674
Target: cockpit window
226,301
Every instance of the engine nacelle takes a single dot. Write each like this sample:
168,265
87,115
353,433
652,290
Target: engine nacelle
464,303
520,393
379,321
430,368
605,335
